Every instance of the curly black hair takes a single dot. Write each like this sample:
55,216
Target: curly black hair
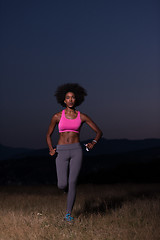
79,92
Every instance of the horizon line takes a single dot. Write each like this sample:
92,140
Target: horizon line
89,139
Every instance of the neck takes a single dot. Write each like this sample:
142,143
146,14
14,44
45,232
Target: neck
68,109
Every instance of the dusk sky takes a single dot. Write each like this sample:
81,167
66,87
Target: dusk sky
111,48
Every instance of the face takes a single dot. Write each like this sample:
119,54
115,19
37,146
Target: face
70,99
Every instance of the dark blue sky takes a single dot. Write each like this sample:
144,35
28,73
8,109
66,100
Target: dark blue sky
112,48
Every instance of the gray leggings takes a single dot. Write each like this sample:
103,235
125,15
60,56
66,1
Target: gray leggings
68,165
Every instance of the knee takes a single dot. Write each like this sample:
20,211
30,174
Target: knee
62,186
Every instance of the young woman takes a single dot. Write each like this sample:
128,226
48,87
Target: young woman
68,149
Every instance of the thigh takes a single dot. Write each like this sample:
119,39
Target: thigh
75,164
62,163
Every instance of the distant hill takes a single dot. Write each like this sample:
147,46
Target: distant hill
116,146
10,152
140,166
104,146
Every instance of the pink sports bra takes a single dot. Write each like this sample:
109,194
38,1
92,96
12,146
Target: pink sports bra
69,125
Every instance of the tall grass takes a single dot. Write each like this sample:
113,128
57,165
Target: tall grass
106,212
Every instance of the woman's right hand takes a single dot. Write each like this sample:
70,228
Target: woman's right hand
52,151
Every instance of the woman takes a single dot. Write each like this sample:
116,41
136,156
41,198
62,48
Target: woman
68,150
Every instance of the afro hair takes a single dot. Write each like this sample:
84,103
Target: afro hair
79,92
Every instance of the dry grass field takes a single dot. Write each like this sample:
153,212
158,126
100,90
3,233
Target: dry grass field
105,212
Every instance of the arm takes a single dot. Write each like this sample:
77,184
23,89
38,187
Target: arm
95,128
49,133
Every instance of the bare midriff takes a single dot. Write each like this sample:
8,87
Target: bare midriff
68,138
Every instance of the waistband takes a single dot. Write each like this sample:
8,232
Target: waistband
69,146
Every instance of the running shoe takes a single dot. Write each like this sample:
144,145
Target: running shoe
68,218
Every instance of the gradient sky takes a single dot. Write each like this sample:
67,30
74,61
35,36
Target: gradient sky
111,48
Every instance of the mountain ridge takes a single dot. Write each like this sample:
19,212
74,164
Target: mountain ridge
104,146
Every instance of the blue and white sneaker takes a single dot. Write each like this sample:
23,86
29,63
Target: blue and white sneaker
68,218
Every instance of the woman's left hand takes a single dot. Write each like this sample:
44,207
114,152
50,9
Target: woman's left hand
90,145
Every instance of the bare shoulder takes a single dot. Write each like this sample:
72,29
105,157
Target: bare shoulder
56,117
